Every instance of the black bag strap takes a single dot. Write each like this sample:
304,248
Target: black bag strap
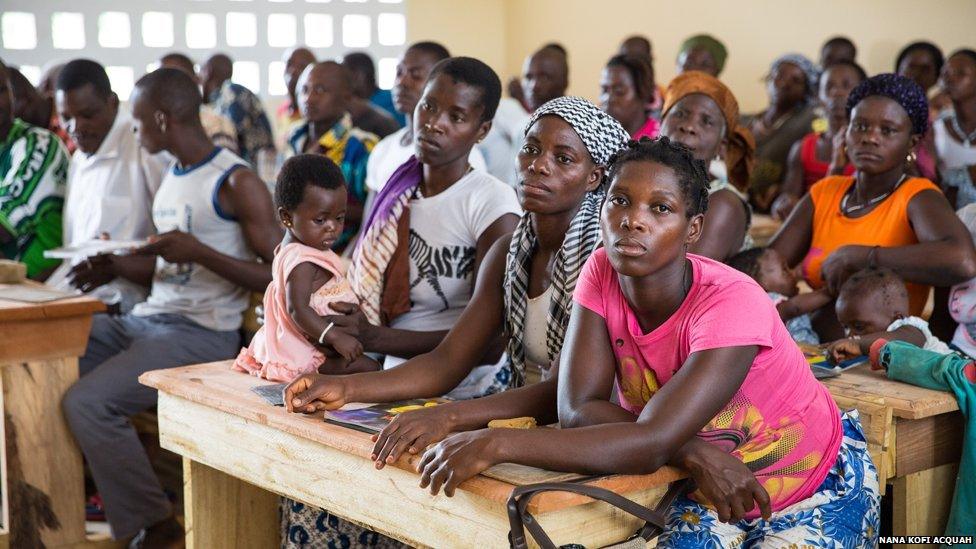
520,519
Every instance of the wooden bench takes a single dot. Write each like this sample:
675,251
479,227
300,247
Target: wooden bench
241,453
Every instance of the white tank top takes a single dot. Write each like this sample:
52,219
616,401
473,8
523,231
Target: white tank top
187,201
952,154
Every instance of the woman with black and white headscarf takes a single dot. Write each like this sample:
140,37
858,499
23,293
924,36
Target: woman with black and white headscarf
523,293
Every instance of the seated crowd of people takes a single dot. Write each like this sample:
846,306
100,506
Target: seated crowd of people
534,255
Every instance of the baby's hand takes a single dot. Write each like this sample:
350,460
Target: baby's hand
349,347
844,349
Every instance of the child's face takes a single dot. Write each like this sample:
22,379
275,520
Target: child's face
864,314
775,275
318,219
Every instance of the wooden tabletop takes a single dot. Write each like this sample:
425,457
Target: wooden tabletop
906,401
216,385
13,311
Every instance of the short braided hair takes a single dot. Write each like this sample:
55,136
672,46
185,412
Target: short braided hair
692,173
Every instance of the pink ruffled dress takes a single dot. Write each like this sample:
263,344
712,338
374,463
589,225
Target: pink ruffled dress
279,351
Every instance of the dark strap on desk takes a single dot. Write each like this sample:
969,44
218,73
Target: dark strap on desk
520,519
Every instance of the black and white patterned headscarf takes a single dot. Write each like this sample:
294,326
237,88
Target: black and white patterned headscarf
602,136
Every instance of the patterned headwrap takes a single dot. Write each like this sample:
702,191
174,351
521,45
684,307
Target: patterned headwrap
900,89
805,65
602,136
601,133
739,155
708,43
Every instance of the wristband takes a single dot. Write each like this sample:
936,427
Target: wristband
325,331
875,354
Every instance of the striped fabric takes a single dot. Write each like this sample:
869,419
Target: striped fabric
602,136
375,249
581,239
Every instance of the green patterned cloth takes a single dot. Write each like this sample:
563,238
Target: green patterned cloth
33,170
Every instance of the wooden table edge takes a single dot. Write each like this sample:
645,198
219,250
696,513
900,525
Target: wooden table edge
491,489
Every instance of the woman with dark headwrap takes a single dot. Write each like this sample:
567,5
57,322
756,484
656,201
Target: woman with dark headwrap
880,216
792,85
702,52
703,115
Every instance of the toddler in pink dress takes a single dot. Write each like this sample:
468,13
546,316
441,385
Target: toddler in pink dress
307,277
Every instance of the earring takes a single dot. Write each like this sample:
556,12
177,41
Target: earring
288,224
912,157
162,127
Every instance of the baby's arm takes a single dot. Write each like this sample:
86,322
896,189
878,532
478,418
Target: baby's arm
803,304
302,282
851,347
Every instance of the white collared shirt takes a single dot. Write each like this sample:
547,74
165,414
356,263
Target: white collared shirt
111,192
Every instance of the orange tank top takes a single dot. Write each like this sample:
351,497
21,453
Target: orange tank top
886,225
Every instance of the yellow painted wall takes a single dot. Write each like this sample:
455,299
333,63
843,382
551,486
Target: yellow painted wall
503,32
473,28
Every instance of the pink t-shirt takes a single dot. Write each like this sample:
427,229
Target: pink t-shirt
782,423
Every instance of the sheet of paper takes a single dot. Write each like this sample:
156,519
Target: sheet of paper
31,293
93,247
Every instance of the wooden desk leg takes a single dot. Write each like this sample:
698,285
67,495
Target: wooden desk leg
922,501
224,512
44,473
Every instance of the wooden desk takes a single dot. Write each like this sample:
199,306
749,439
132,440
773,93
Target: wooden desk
40,465
227,435
915,435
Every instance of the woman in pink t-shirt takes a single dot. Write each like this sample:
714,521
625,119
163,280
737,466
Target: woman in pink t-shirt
708,345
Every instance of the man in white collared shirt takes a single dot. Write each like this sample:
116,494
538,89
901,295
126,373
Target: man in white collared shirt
111,179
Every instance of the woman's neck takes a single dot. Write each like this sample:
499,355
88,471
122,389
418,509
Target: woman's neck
407,138
633,126
654,298
835,126
777,111
317,129
966,115
870,186
438,179
551,229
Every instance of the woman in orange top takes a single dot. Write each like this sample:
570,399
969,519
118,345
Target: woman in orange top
879,216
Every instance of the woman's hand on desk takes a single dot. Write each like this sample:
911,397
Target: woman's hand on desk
458,458
315,392
411,432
